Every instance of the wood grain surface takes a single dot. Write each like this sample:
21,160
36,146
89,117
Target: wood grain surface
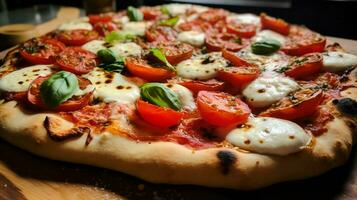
25,176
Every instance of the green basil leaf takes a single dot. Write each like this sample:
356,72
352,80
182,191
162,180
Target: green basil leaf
117,66
119,36
169,22
160,95
160,56
58,88
134,14
265,47
165,10
106,56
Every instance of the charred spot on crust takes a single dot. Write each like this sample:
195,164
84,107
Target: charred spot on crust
57,135
226,159
346,106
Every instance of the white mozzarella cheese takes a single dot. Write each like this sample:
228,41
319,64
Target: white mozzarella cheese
122,20
80,92
94,46
268,89
113,87
268,34
136,28
179,9
184,94
192,37
76,24
338,61
20,80
245,18
126,49
268,135
201,67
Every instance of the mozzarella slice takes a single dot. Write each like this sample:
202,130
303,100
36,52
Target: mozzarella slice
338,61
76,24
94,46
201,67
80,92
268,89
184,94
268,34
270,136
192,37
113,87
245,18
136,28
126,49
20,80
179,9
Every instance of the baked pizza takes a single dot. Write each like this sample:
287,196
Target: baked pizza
183,94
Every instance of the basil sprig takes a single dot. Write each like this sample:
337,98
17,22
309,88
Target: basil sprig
161,57
165,10
58,88
134,14
160,95
110,62
265,47
169,22
119,36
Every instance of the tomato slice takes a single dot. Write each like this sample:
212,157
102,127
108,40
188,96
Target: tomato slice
298,105
196,86
150,13
242,30
17,96
104,28
239,76
76,60
303,41
304,66
41,51
234,58
219,41
74,103
160,34
103,18
77,37
222,109
175,52
158,116
213,15
140,68
195,25
275,24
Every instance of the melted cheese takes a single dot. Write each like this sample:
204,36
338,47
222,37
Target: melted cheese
113,87
201,67
268,34
268,89
185,96
20,80
73,25
180,9
244,18
192,37
94,46
338,61
270,136
136,28
126,49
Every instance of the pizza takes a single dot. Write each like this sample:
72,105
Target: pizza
183,94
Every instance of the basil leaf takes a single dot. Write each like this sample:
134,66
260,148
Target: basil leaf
58,88
106,56
160,95
160,56
119,36
134,14
169,22
117,66
165,10
265,47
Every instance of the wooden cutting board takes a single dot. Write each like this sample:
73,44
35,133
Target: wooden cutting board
25,176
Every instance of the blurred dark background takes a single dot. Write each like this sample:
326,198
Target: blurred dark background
329,17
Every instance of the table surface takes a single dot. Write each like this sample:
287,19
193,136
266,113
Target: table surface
25,176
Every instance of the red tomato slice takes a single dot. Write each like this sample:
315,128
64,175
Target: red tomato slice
158,116
298,105
234,58
213,15
242,30
239,76
160,34
195,25
175,52
305,66
222,109
275,24
150,13
74,103
77,37
17,96
142,69
210,85
104,28
103,18
303,41
41,51
76,60
219,41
